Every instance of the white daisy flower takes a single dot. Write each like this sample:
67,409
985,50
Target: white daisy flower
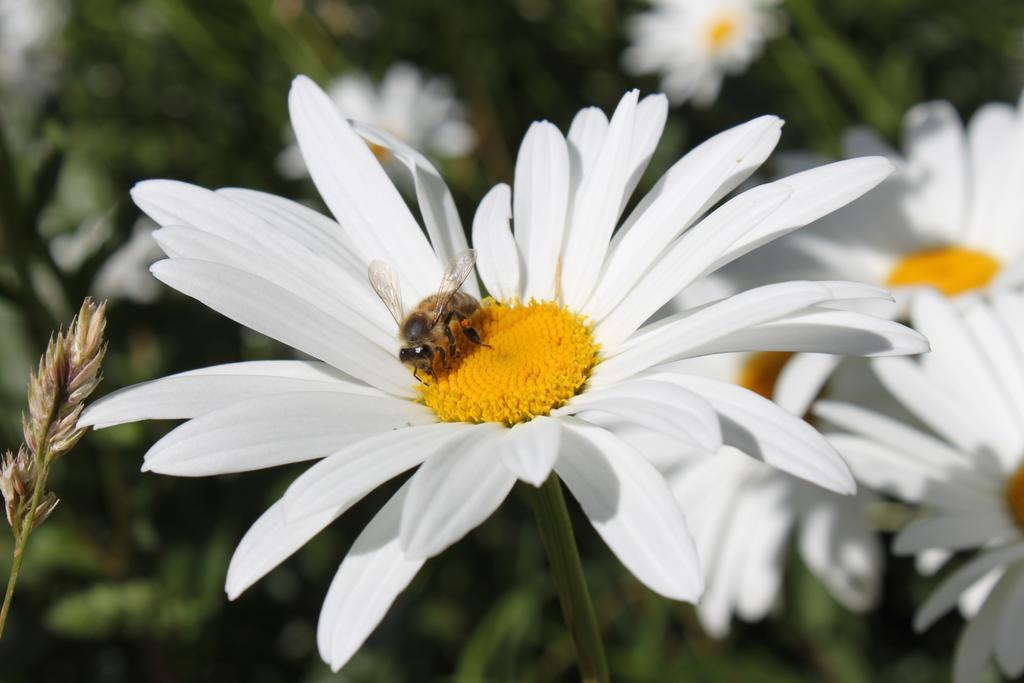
27,65
566,346
694,43
419,110
963,464
125,272
949,218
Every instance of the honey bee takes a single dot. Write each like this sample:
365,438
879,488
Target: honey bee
427,327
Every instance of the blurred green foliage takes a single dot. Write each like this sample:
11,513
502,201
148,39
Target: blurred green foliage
124,582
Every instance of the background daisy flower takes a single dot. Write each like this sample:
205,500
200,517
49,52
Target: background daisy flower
949,217
960,457
418,109
568,360
693,44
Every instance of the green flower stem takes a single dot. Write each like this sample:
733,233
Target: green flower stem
22,541
844,64
560,545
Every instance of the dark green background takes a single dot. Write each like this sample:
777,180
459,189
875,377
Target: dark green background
124,583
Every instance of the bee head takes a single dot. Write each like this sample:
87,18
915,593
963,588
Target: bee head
418,355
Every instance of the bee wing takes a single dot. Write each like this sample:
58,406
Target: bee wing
455,273
385,283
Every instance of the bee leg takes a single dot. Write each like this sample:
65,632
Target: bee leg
451,340
470,332
415,373
474,336
444,359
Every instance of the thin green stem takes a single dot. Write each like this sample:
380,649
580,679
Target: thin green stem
22,541
560,544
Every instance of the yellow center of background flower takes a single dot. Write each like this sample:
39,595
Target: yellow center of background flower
761,371
951,270
721,30
538,357
1015,496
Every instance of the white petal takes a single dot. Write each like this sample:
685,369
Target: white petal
274,430
277,313
838,544
823,330
911,478
802,379
540,198
690,257
358,192
694,183
1010,634
454,491
938,410
656,403
993,141
316,232
585,138
675,337
936,168
371,576
958,531
197,392
595,210
994,333
316,283
768,433
761,575
497,255
891,432
249,237
651,113
961,367
816,192
631,507
349,474
437,206
976,643
944,598
529,449
269,542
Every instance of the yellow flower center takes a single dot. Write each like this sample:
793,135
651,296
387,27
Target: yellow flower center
721,30
1015,496
761,371
951,270
538,356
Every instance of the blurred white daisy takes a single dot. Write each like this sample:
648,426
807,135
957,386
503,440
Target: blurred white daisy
694,43
124,274
419,110
28,62
963,463
950,217
567,347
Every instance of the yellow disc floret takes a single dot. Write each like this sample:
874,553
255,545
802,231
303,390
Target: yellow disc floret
951,270
1015,496
761,371
537,356
721,30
